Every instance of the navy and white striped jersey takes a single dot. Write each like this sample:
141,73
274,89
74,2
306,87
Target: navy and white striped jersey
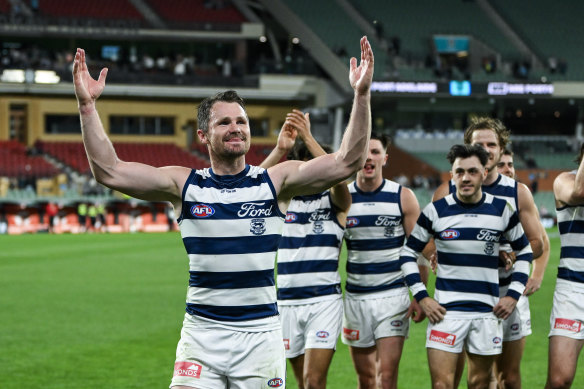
374,237
505,188
467,240
571,227
231,226
308,255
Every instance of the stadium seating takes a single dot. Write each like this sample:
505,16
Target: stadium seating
550,29
155,154
103,9
190,13
14,162
4,6
325,20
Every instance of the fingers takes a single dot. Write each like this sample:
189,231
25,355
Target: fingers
353,64
102,76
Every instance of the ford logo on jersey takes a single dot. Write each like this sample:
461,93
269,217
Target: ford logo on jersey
449,234
322,334
202,210
352,222
291,217
275,382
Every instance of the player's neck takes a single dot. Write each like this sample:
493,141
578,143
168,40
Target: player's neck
230,166
369,184
491,177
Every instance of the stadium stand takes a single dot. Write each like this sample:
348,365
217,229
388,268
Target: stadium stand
15,162
156,154
553,30
201,14
104,9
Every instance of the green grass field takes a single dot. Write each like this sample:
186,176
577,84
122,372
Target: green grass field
105,311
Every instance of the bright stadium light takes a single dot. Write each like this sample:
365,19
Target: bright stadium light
12,75
46,77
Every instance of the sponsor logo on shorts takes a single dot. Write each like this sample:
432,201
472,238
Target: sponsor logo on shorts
291,217
350,334
286,344
275,382
449,234
514,327
568,325
397,323
202,210
187,369
496,340
442,337
352,222
322,334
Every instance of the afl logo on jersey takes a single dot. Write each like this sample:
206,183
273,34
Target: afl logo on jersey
291,217
449,234
275,382
202,210
352,222
322,334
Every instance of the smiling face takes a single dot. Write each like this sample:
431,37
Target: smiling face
505,166
488,140
228,135
376,159
468,175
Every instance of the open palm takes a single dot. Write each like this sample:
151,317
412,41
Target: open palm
87,89
361,76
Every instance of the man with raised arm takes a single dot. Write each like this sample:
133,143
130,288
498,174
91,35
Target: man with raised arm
309,284
230,216
566,336
468,226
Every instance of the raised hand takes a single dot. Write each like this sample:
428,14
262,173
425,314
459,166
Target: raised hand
300,121
87,89
286,137
361,76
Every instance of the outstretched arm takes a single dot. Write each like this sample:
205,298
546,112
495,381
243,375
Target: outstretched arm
293,178
135,179
538,266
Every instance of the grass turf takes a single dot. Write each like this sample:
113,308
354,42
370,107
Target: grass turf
96,311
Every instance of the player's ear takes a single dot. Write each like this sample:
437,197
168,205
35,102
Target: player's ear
202,136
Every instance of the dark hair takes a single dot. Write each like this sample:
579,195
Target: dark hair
507,152
299,151
467,151
486,123
578,159
384,139
204,110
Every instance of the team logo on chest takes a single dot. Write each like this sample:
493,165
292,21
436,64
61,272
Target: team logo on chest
318,227
257,226
490,237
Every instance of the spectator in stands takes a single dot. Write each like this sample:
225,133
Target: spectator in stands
309,288
566,336
232,210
